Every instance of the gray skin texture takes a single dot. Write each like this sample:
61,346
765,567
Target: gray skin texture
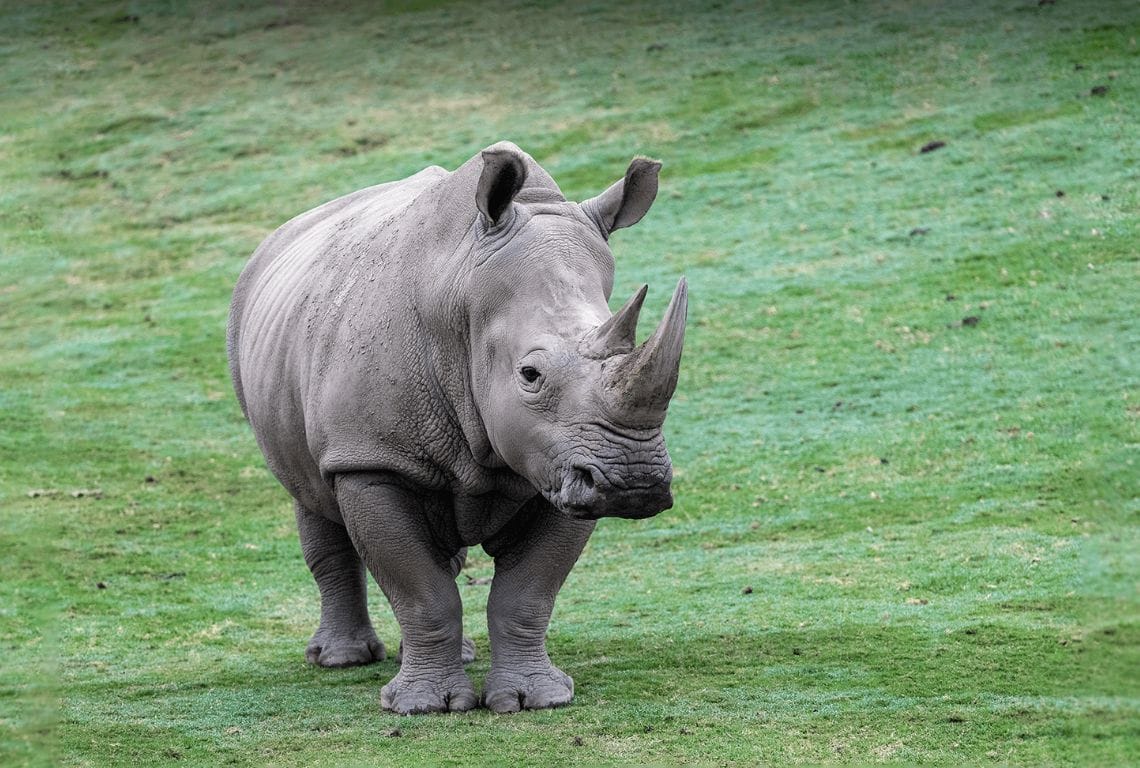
431,364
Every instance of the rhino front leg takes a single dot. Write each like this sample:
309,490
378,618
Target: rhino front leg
468,654
532,558
345,636
387,524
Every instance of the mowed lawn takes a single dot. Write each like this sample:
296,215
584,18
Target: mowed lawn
905,436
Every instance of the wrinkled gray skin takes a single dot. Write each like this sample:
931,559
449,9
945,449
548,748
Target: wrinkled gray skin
431,364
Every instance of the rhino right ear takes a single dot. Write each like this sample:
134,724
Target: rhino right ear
624,203
502,178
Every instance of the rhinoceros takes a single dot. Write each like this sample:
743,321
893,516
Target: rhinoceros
431,364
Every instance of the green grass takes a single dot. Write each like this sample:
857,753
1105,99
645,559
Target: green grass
901,535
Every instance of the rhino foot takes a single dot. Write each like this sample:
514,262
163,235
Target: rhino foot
327,649
411,695
466,653
514,691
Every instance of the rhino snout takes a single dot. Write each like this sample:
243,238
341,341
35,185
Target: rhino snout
586,493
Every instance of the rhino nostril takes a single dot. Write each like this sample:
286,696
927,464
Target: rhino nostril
579,488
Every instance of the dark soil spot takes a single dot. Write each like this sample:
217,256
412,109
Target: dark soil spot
70,175
360,145
131,123
249,152
1099,90
931,146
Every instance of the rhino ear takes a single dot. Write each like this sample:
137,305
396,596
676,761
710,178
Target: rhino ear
624,203
502,178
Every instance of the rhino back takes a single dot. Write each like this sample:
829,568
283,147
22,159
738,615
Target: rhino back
313,292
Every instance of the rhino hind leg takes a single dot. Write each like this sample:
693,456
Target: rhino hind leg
345,637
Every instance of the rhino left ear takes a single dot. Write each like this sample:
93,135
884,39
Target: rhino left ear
624,203
502,178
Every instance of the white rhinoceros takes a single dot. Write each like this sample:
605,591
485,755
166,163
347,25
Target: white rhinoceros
431,364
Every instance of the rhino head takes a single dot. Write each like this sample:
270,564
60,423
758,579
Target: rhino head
567,398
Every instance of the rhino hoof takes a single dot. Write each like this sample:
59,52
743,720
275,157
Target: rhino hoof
511,692
414,696
353,651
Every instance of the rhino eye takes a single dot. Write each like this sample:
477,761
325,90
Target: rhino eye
529,373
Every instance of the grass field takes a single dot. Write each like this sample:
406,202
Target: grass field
906,433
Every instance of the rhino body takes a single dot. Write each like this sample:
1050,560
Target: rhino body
431,364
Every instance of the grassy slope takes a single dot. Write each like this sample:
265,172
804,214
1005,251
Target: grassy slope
937,521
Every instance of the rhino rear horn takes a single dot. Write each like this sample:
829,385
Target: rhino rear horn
642,382
503,175
626,201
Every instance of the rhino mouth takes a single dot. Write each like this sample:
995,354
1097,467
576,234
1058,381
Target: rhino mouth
586,494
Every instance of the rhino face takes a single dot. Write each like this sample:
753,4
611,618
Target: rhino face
567,398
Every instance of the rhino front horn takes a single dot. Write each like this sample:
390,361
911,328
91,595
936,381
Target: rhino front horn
640,384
